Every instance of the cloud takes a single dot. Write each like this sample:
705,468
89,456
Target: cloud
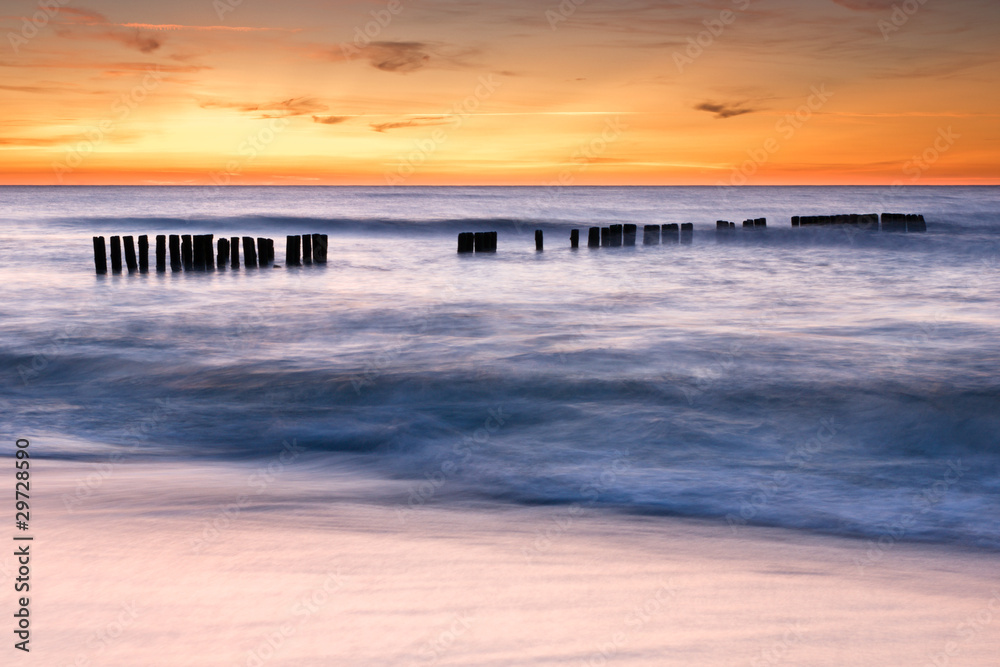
416,121
402,57
724,110
294,106
867,5
81,21
330,120
143,42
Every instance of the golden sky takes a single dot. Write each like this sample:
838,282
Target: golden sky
416,92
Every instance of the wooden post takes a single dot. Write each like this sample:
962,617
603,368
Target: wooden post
605,237
671,233
186,251
234,252
307,249
687,232
479,241
795,221
223,256
249,253
574,238
161,253
175,252
538,240
293,248
198,252
116,254
319,248
916,223
594,237
143,254
491,239
466,242
270,251
629,234
100,256
616,236
759,223
651,235
209,240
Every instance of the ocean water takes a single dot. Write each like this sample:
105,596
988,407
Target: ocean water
831,380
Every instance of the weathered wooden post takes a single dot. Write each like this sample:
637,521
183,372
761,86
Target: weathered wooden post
223,255
574,238
143,254
594,237
538,240
493,241
629,234
116,254
916,223
100,256
651,235
198,252
795,221
466,242
175,252
234,252
616,236
186,251
671,233
161,253
262,253
687,232
479,241
605,237
293,249
270,251
319,248
759,223
307,249
209,252
249,253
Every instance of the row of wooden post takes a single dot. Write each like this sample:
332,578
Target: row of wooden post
477,242
198,252
891,222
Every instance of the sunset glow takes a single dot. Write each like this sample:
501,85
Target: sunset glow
417,92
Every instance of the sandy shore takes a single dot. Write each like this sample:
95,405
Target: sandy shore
149,567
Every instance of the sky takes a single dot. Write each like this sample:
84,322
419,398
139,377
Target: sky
436,92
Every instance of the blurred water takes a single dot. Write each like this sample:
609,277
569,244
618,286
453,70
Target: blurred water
823,379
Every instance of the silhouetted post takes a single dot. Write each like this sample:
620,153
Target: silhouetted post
466,242
916,223
616,236
175,252
538,240
760,223
574,238
748,224
671,233
143,254
795,221
100,256
198,252
209,241
307,249
594,237
651,235
491,239
161,253
479,241
186,251
270,251
234,252
116,254
687,232
262,253
605,237
249,253
293,249
223,255
629,235
319,248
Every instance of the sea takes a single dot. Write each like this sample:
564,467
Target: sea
834,380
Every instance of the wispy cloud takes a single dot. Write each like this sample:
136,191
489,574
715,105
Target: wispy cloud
725,109
330,120
404,57
417,121
867,5
294,106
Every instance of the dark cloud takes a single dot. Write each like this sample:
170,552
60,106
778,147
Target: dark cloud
80,24
400,57
294,106
141,41
724,110
867,5
330,120
417,121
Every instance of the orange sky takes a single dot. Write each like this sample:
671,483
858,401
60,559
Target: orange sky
443,91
